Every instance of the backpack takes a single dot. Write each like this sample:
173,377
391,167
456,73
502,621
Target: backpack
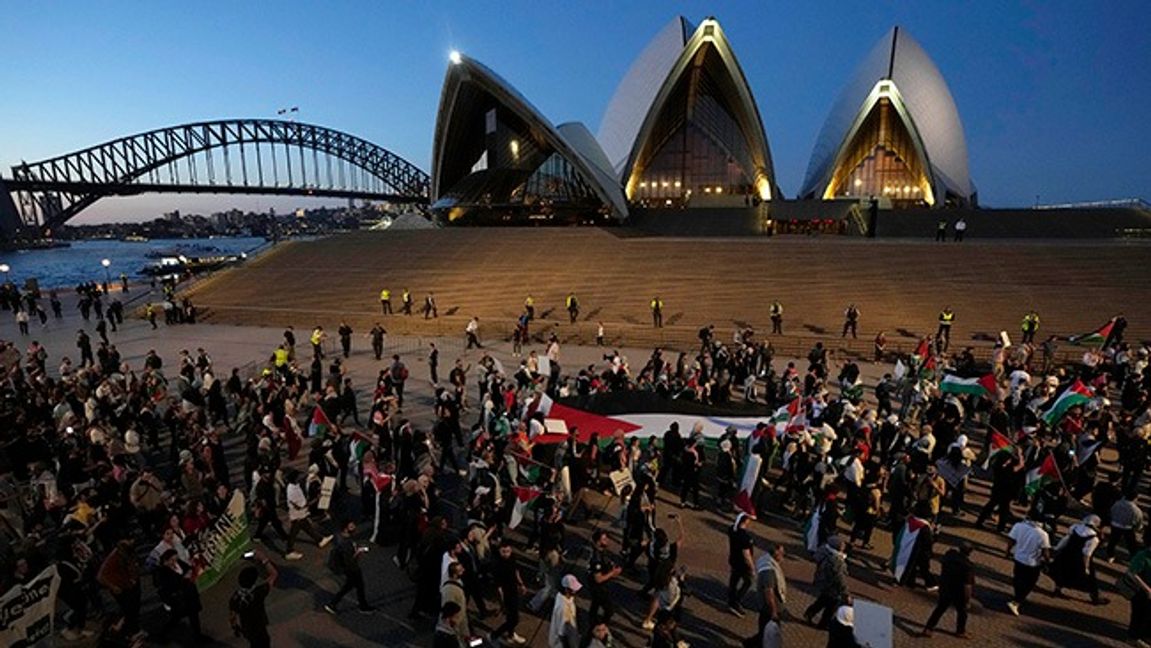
403,373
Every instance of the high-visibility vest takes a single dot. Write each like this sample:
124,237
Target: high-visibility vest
656,304
317,336
571,300
945,317
407,296
776,308
385,295
281,357
529,302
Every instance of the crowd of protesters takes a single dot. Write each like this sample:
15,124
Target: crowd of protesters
114,471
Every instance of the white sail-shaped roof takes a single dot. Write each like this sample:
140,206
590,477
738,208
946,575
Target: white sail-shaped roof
635,93
927,101
583,152
641,96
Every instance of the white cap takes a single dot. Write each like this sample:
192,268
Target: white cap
571,582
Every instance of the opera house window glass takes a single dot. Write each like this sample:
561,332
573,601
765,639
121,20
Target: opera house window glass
696,147
882,160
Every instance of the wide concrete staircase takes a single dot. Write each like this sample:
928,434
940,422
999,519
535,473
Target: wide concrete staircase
899,286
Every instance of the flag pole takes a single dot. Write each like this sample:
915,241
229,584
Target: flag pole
1058,473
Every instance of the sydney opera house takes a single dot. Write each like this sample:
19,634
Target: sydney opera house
683,132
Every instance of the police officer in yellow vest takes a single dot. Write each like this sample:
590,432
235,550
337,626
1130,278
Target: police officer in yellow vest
657,312
946,317
1030,327
386,301
776,318
317,340
530,307
406,302
573,307
280,359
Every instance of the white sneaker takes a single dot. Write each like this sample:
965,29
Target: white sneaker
295,555
648,624
325,541
516,639
1014,607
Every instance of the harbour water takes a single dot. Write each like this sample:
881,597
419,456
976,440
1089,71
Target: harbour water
66,267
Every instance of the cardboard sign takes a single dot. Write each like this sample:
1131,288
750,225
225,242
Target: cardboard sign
873,624
26,611
326,490
621,479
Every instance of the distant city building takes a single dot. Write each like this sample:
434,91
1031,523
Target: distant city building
894,133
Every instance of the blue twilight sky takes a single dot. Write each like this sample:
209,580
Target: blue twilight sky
1053,95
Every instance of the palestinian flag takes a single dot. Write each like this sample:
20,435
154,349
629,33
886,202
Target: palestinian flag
525,497
981,386
585,422
320,425
903,545
526,468
923,351
811,530
1041,475
790,417
1095,338
1076,394
743,500
997,444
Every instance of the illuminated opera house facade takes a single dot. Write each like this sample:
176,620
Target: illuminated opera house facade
894,132
682,132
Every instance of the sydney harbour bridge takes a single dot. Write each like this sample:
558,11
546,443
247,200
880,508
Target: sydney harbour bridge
238,156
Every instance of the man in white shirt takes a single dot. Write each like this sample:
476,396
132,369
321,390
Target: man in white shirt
298,517
1030,546
563,631
472,331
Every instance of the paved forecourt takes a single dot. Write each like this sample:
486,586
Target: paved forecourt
304,585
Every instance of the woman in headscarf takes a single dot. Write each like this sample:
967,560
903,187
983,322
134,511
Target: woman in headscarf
1074,564
841,631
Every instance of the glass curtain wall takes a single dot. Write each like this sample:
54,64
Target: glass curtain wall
882,161
696,147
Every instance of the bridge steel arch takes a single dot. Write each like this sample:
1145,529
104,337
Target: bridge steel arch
176,159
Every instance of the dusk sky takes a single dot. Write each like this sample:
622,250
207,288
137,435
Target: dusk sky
1053,96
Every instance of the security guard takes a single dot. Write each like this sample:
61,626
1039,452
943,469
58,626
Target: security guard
280,360
530,308
946,317
776,318
850,321
1030,327
386,301
406,302
657,312
573,307
317,340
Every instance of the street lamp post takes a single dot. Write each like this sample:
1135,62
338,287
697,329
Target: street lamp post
4,267
107,274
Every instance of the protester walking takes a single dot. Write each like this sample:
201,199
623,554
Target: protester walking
956,586
1030,547
344,560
